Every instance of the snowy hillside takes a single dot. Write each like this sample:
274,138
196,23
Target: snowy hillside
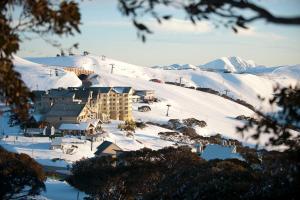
41,77
231,64
238,85
259,81
287,73
218,112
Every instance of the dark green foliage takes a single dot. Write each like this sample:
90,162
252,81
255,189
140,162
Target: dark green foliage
20,175
243,117
188,131
140,125
190,122
208,90
129,125
177,173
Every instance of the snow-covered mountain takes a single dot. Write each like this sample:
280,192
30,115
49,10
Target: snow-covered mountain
43,77
255,81
229,64
218,112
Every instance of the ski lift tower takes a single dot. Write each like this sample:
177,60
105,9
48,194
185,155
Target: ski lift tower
168,105
112,68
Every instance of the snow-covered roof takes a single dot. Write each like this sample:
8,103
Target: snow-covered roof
80,127
215,151
104,145
93,122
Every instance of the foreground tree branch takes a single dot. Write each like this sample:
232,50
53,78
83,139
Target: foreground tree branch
42,17
232,14
283,126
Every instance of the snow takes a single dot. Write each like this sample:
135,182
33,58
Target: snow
59,190
147,137
37,76
214,151
93,122
56,141
232,64
39,149
4,125
286,74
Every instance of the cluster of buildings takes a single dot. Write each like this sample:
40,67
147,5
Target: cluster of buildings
79,109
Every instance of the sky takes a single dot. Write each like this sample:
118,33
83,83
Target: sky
104,31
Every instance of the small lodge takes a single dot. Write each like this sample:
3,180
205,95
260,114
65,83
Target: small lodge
145,95
88,128
135,98
107,148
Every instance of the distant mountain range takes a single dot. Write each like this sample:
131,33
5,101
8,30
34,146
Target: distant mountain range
175,67
230,64
224,64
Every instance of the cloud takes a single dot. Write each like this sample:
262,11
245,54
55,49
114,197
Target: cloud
108,23
253,32
181,26
173,25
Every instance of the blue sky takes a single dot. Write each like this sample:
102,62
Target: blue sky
105,32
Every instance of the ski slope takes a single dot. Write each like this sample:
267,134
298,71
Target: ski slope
37,76
256,80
